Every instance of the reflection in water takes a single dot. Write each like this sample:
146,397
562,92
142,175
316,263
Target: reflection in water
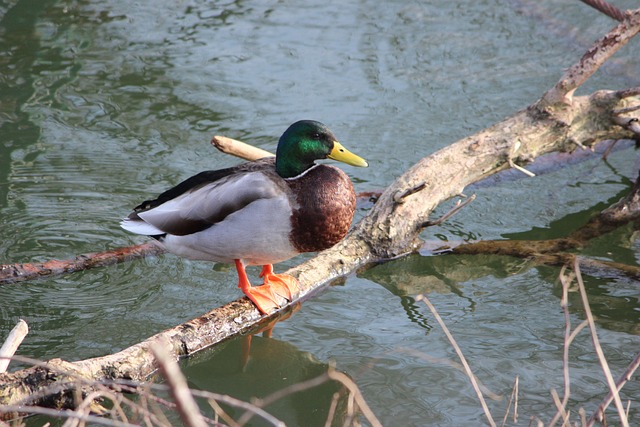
266,366
415,274
613,297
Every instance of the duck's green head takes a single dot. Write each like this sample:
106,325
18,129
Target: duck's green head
306,141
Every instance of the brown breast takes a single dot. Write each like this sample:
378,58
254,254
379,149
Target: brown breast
323,210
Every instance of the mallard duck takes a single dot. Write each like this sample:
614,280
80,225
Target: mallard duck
260,212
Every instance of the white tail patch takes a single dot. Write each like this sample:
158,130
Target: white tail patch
140,227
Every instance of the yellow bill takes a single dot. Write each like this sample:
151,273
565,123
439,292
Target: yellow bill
343,155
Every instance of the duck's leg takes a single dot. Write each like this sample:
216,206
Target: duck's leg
262,296
282,284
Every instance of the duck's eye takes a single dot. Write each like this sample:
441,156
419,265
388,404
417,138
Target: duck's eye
316,136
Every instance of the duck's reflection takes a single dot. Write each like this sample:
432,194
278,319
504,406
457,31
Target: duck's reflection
255,367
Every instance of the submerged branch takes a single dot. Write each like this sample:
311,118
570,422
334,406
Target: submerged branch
554,251
12,273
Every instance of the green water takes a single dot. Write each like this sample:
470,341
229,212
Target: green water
106,103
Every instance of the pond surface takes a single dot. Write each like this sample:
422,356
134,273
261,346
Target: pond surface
106,103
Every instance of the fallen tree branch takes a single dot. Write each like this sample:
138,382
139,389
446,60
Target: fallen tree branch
558,122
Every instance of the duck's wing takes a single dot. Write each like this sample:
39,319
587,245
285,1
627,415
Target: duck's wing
204,200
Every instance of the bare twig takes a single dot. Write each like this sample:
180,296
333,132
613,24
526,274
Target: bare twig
521,169
608,9
561,408
619,384
356,394
626,110
564,303
606,153
576,75
402,194
633,124
332,409
537,422
459,205
56,413
89,405
12,343
223,414
186,405
596,344
231,401
467,368
514,150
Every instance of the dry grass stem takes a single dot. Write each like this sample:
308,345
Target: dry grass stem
232,401
564,303
332,409
537,421
513,399
596,344
467,368
217,409
619,384
561,407
357,395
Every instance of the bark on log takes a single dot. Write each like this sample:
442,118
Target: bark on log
558,122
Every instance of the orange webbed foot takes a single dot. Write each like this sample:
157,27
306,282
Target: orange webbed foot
281,284
261,296
265,297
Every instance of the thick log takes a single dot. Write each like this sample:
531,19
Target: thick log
559,122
